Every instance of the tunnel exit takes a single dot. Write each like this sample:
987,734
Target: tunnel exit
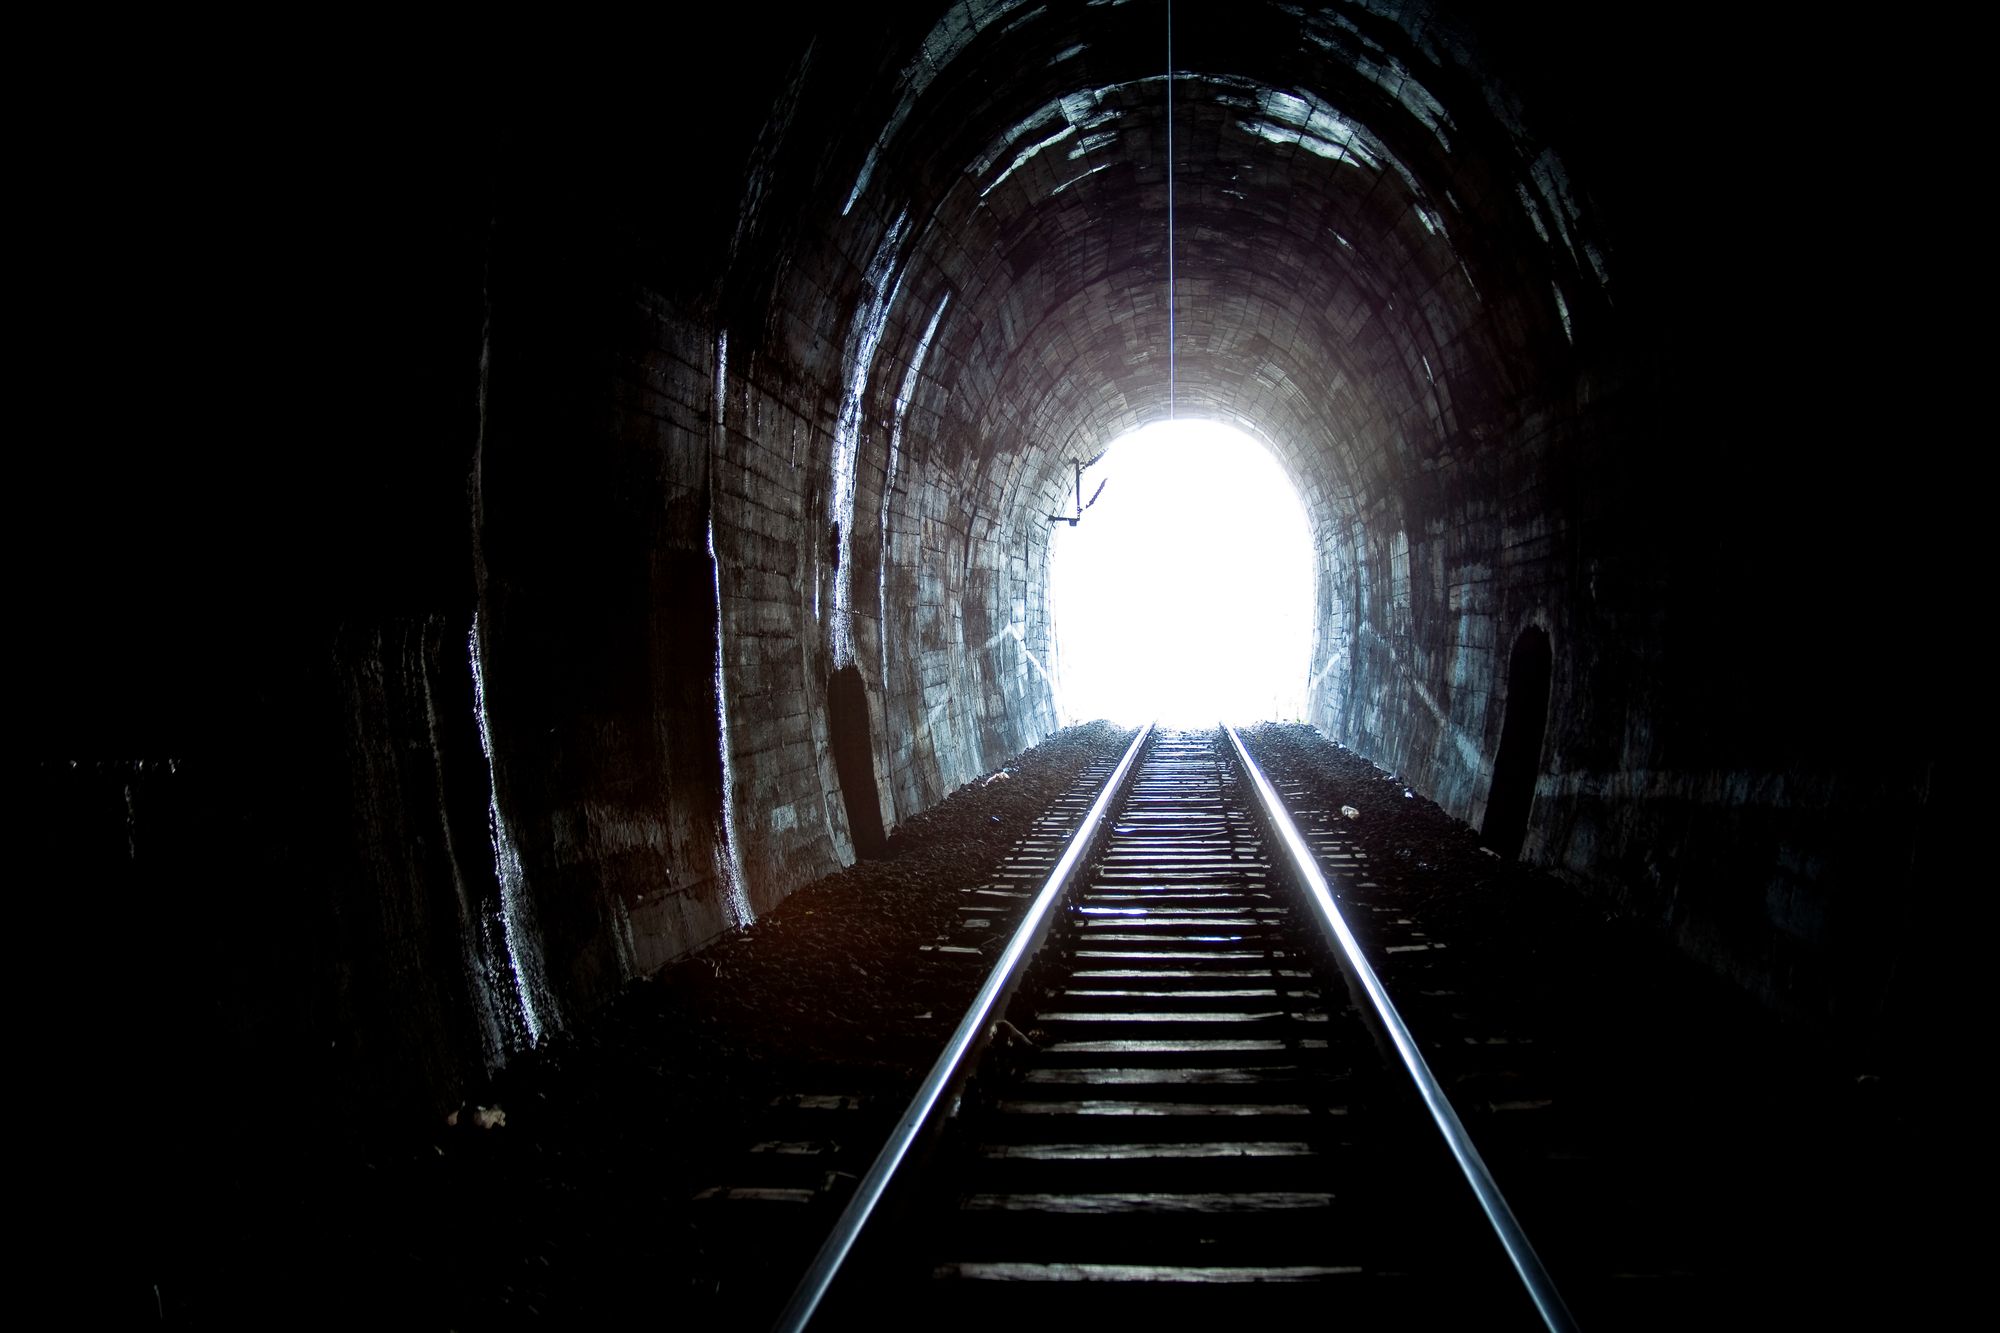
1183,589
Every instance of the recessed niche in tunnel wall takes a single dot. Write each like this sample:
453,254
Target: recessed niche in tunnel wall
1184,592
854,759
1519,761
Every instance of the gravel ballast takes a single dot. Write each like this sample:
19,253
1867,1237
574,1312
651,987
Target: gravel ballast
1686,1125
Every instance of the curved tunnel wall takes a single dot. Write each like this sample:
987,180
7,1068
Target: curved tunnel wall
952,284
780,354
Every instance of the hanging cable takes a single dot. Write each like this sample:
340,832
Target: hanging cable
1170,211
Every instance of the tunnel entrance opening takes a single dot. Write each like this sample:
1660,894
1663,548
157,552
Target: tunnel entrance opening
1519,761
853,746
1184,591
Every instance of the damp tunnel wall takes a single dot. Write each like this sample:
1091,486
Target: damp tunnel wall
698,383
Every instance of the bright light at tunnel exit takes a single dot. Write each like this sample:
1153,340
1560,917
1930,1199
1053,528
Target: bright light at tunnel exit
1186,592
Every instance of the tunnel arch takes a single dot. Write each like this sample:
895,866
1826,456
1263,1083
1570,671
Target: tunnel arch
847,291
1258,343
1542,337
947,266
1379,268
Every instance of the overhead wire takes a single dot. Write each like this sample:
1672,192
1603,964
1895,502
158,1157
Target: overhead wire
1171,321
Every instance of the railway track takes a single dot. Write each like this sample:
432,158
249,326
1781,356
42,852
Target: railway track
1178,1094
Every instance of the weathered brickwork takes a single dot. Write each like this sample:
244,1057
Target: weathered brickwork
670,506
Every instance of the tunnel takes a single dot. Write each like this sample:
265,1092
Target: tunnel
518,504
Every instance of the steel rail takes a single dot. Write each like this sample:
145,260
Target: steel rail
1541,1288
931,1105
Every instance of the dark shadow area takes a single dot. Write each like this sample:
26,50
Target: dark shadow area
1520,757
854,759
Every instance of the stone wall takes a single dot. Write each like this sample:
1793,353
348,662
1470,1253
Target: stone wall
568,421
